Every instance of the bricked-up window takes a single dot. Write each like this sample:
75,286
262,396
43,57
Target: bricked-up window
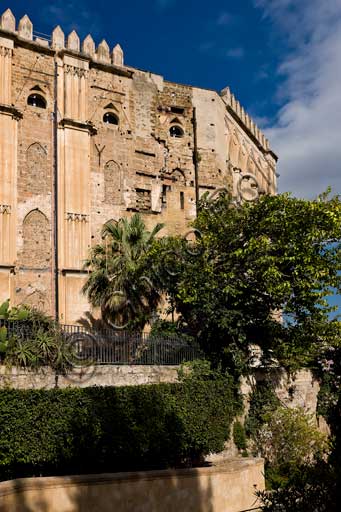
36,250
110,118
35,175
112,182
176,131
143,199
36,100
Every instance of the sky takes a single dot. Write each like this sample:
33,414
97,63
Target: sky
281,59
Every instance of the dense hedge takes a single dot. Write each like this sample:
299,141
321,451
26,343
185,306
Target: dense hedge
99,429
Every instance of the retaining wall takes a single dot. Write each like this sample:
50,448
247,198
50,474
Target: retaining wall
106,375
228,487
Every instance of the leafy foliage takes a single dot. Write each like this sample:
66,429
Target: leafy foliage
113,429
246,265
117,284
288,441
314,486
239,436
31,339
262,402
311,489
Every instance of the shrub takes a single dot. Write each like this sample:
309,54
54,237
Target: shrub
289,441
263,400
31,339
239,436
99,429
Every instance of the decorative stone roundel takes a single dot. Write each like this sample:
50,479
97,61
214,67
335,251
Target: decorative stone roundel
248,187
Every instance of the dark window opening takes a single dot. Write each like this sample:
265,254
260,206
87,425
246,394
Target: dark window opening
176,131
110,118
182,200
35,100
164,194
177,110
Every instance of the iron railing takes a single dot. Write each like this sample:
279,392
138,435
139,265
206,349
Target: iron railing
109,346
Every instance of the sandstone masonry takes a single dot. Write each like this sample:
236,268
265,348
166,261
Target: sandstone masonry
85,139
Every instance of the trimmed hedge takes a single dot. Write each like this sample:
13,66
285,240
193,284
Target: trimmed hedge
107,429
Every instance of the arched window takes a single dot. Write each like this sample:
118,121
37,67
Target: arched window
110,118
176,131
35,100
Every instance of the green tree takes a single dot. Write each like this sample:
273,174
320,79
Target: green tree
279,254
117,284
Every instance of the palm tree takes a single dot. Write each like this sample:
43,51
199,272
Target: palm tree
116,283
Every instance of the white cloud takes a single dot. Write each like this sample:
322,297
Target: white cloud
235,53
307,131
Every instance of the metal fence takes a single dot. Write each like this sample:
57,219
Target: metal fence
109,346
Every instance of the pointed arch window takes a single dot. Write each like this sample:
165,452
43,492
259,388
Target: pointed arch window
36,100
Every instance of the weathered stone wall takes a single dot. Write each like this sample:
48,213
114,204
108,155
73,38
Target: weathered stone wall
106,140
228,487
106,375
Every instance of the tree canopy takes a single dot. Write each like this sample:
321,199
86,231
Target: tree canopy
256,274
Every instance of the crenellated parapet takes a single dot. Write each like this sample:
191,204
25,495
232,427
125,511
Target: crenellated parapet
243,118
58,42
85,139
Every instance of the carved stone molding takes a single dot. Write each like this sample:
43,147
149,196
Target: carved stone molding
5,208
6,52
77,217
71,123
74,71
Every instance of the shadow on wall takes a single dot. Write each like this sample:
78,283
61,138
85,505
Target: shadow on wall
102,434
105,493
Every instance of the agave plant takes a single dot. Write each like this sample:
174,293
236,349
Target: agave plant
33,340
15,313
21,353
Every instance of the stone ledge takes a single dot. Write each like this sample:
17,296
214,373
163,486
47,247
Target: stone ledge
226,466
228,487
11,111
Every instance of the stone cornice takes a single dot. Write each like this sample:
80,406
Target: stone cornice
111,68
78,125
74,54
11,110
73,271
7,266
272,154
26,43
104,66
250,134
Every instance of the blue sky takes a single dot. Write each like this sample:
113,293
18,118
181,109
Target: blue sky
281,58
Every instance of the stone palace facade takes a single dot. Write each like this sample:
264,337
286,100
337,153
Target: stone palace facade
84,139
